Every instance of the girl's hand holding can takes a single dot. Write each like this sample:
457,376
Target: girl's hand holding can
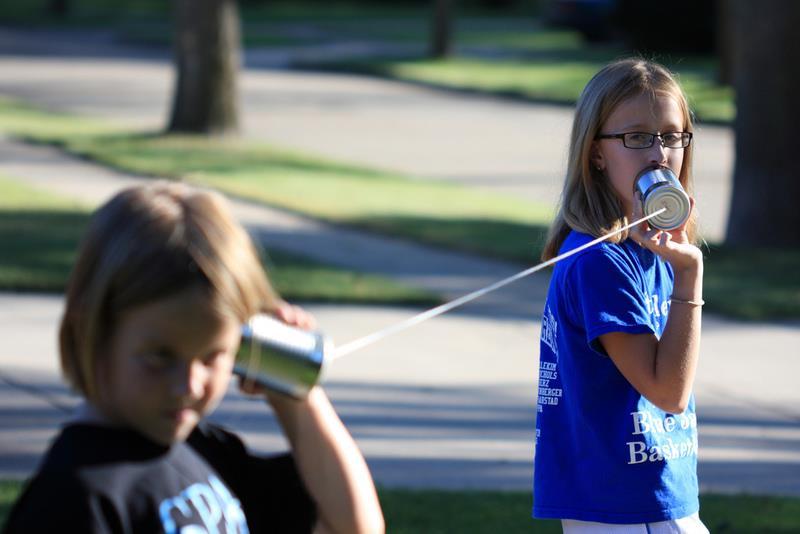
295,316
671,245
276,376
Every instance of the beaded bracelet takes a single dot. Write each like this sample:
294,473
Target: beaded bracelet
692,302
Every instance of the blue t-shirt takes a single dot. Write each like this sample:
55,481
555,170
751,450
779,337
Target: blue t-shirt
603,451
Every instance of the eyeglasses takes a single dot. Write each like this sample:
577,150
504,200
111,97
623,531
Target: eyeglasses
637,140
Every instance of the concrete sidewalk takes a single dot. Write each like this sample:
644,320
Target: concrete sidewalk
441,406
448,404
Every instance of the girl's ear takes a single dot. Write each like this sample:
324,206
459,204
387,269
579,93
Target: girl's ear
596,157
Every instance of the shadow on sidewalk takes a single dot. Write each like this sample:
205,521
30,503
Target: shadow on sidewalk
427,437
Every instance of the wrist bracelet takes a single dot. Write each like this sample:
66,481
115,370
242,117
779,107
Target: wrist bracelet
692,302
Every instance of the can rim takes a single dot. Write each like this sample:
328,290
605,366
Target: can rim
668,221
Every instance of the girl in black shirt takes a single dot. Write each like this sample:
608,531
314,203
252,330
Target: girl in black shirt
164,280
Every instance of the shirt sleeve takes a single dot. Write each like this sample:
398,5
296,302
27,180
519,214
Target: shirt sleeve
56,503
606,293
269,488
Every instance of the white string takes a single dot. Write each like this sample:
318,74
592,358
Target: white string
360,343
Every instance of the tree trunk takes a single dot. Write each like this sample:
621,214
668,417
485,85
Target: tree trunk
58,8
725,41
765,207
441,29
207,57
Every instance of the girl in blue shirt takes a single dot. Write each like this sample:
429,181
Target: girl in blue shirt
616,431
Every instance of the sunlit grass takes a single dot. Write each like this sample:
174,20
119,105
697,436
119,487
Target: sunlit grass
426,210
558,79
490,512
411,511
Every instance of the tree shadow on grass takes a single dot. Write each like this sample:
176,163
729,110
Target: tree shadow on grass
490,238
39,247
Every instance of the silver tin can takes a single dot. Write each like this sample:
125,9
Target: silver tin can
281,357
660,188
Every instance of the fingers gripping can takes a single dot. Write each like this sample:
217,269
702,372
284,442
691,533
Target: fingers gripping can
660,188
281,357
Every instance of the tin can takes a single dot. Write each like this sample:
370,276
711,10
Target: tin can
281,357
660,188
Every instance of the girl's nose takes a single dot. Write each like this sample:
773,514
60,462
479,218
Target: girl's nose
657,153
190,380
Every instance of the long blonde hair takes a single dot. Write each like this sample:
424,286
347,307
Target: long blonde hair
588,203
146,243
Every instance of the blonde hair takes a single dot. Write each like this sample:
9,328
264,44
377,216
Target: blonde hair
144,244
588,203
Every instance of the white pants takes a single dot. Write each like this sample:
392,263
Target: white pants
685,525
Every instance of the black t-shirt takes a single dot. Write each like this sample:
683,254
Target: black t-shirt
102,479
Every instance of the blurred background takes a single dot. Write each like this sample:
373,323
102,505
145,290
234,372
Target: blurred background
389,156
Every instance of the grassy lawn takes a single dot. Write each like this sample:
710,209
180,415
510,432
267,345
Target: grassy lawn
9,490
435,212
491,512
40,233
440,213
752,284
555,76
280,22
313,11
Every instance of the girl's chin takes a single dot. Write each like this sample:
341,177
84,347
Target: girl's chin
177,428
185,424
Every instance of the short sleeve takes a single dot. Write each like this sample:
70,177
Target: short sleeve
271,492
51,502
607,292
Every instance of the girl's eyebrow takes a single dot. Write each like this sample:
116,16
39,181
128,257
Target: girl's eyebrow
155,344
163,351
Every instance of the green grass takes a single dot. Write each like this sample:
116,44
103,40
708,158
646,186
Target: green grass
434,212
89,12
753,284
299,279
557,77
40,233
560,82
523,40
439,213
492,512
473,512
9,490
286,25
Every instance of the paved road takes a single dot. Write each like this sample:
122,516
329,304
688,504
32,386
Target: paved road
450,403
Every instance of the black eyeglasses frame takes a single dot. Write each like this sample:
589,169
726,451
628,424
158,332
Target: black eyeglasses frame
684,135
